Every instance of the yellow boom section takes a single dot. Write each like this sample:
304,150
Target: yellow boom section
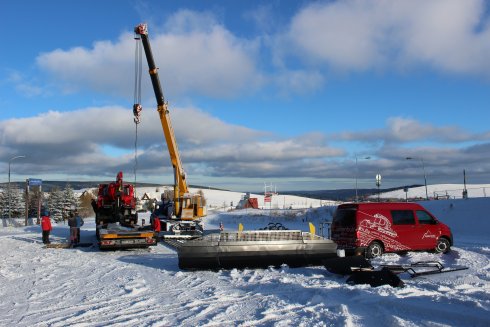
180,185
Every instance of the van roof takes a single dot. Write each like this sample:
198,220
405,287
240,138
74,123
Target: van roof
381,205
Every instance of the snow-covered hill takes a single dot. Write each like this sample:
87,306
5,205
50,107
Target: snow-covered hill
85,287
227,199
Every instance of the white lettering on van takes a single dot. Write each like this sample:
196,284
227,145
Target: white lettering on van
378,227
428,235
379,223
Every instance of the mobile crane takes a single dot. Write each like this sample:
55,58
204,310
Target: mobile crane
186,210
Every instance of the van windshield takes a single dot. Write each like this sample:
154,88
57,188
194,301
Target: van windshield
345,217
425,218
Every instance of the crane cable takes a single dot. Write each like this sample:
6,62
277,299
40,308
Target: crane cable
137,108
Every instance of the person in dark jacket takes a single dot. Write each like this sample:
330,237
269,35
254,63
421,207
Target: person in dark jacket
79,223
72,222
46,227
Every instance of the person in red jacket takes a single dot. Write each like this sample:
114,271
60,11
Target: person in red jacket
46,227
156,227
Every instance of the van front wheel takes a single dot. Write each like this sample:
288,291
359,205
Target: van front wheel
375,249
443,245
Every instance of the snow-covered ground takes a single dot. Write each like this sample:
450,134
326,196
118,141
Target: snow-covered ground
85,287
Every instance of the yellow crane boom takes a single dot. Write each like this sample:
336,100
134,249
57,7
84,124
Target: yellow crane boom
186,206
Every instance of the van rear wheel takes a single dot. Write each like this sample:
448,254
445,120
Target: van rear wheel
375,249
443,245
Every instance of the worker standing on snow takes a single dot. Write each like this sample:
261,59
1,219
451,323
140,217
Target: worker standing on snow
72,222
46,227
156,227
79,223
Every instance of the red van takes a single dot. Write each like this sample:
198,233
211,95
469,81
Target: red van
374,228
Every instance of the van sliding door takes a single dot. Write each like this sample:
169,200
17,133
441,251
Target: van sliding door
408,232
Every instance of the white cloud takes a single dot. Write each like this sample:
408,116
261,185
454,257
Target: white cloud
406,130
26,87
261,152
452,36
197,127
341,33
107,67
114,126
195,54
198,55
263,18
76,142
298,81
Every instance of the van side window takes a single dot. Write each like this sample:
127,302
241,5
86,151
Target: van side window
403,217
425,218
345,217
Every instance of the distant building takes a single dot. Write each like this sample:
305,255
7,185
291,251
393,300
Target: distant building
247,202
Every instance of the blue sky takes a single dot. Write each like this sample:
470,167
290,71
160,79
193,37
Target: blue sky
282,92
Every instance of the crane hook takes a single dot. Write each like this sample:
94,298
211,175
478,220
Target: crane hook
137,108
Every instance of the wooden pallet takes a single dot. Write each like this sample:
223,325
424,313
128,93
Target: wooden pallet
58,246
67,245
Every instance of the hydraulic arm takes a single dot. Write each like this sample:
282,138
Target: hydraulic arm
182,199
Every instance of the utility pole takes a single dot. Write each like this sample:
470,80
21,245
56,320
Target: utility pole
425,175
465,191
357,172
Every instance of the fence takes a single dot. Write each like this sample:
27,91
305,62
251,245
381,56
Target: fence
16,222
475,192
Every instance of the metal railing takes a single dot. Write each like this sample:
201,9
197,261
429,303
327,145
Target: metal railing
262,235
474,192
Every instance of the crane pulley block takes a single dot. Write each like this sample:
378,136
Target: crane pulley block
137,108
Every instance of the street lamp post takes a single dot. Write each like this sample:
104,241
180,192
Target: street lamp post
378,184
10,161
365,158
425,175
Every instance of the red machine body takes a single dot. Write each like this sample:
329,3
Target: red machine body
116,203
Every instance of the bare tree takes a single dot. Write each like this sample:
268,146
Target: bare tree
85,209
